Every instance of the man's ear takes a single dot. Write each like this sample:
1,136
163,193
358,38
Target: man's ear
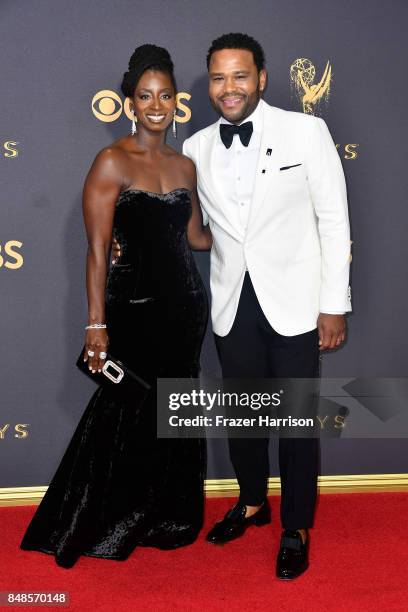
263,78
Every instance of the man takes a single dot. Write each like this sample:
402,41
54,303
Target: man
272,189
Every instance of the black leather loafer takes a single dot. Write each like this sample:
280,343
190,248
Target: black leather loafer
234,524
293,556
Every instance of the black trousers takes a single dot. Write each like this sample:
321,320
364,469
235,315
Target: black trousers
253,349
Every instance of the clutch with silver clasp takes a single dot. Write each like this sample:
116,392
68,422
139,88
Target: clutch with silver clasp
115,374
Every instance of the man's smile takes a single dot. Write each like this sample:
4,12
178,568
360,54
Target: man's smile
232,101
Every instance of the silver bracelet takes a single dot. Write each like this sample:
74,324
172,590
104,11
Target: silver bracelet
96,326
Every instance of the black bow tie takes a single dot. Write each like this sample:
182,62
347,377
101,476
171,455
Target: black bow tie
228,130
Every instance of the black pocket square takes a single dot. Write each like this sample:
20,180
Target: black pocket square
287,167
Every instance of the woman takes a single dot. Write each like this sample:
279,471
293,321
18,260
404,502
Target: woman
118,486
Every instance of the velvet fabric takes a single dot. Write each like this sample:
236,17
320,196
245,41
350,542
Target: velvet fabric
117,485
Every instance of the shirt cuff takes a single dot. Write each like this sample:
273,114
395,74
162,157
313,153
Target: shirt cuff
333,312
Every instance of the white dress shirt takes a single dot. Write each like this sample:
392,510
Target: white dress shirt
236,167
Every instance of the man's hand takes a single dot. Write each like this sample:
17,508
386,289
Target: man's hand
332,330
115,251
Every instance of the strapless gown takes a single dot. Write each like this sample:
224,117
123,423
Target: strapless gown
117,485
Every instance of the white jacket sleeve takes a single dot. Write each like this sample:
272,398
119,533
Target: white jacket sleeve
328,192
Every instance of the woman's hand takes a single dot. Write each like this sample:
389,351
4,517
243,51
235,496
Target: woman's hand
115,251
96,341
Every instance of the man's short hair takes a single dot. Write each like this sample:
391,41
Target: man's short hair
237,40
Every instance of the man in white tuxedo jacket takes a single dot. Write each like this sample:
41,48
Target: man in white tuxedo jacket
272,189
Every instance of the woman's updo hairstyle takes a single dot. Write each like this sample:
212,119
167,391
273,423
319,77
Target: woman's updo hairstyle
146,57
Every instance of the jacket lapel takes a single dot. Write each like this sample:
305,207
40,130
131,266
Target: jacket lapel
268,161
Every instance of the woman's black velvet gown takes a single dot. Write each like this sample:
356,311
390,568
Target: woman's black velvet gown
118,486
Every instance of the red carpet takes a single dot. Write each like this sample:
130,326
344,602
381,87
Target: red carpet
359,561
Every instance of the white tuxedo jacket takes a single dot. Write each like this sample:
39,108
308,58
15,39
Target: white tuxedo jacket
297,243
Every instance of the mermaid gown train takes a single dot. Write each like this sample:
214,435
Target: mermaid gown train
117,485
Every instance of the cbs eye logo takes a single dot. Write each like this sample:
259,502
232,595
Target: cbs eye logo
107,106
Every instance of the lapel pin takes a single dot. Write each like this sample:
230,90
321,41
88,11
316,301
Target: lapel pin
268,153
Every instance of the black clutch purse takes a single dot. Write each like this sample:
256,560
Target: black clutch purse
115,375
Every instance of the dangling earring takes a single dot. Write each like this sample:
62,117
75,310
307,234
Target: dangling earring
134,130
174,125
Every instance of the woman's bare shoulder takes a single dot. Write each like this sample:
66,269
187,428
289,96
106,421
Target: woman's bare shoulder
113,154
184,162
110,161
186,170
